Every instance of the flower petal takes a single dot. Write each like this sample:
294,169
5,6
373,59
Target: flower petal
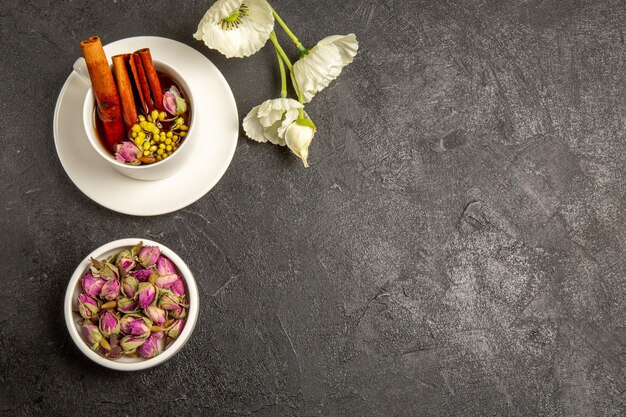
324,62
246,38
253,127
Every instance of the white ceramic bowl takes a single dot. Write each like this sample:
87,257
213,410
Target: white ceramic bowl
73,318
160,169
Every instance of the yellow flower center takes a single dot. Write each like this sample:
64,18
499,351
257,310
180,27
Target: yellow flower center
234,20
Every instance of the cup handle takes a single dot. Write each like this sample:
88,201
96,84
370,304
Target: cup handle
80,67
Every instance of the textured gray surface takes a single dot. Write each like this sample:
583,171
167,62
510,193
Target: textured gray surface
456,248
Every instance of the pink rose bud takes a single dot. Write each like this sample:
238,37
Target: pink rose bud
135,326
166,281
145,294
141,275
178,287
110,290
109,324
149,255
92,285
125,261
165,266
128,153
131,343
127,305
156,314
129,286
176,328
173,102
116,350
92,335
109,272
87,306
150,347
179,314
169,302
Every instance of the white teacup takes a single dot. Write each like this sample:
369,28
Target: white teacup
157,170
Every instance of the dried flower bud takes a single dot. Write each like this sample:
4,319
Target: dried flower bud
109,324
166,281
92,335
176,328
125,261
113,349
141,275
110,289
109,272
178,287
179,314
145,294
135,325
131,343
87,306
129,286
150,348
156,314
127,305
149,255
92,285
169,302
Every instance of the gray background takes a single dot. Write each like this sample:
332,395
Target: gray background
456,248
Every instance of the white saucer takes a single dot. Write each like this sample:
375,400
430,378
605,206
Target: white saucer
218,123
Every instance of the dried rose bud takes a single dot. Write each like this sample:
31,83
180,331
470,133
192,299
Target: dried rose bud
145,294
179,314
178,287
131,343
156,314
127,153
92,285
135,325
113,350
92,335
141,275
176,328
87,306
127,305
109,272
150,347
166,281
110,289
165,266
169,301
125,261
129,286
109,324
149,255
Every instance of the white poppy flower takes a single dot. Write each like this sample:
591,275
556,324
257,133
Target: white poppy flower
236,28
298,137
268,121
324,62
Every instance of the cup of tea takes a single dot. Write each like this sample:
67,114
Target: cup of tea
160,152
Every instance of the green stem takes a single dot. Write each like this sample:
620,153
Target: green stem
283,57
283,76
280,51
289,33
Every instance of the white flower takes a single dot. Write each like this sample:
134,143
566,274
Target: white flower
269,120
236,28
298,137
324,62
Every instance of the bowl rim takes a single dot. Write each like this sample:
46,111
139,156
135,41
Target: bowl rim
194,307
89,106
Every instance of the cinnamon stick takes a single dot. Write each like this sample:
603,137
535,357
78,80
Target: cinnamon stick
142,83
107,99
125,89
153,78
